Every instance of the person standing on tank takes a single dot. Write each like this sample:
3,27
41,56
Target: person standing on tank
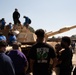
16,16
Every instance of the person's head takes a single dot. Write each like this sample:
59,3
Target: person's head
24,16
40,33
3,45
2,19
16,9
65,42
58,47
12,33
16,45
10,23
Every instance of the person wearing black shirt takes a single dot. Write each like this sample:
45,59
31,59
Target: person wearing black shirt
40,55
16,16
66,57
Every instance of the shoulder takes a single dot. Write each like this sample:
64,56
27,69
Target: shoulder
34,45
6,58
49,46
21,54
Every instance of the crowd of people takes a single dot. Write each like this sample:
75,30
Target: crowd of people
40,55
43,58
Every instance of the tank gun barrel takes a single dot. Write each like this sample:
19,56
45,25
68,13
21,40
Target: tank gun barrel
60,31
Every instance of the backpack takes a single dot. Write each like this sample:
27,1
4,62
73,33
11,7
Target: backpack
29,21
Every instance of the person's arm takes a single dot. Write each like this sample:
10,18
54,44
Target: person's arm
18,14
31,66
32,58
26,67
54,62
53,57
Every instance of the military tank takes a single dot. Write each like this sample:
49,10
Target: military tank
27,36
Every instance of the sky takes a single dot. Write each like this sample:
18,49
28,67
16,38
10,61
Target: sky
50,15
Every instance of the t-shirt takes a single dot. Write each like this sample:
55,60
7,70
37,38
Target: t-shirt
66,58
41,53
3,23
10,26
12,39
6,65
16,15
19,60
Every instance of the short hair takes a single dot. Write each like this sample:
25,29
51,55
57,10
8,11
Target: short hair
16,9
58,44
66,39
40,33
3,44
16,45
